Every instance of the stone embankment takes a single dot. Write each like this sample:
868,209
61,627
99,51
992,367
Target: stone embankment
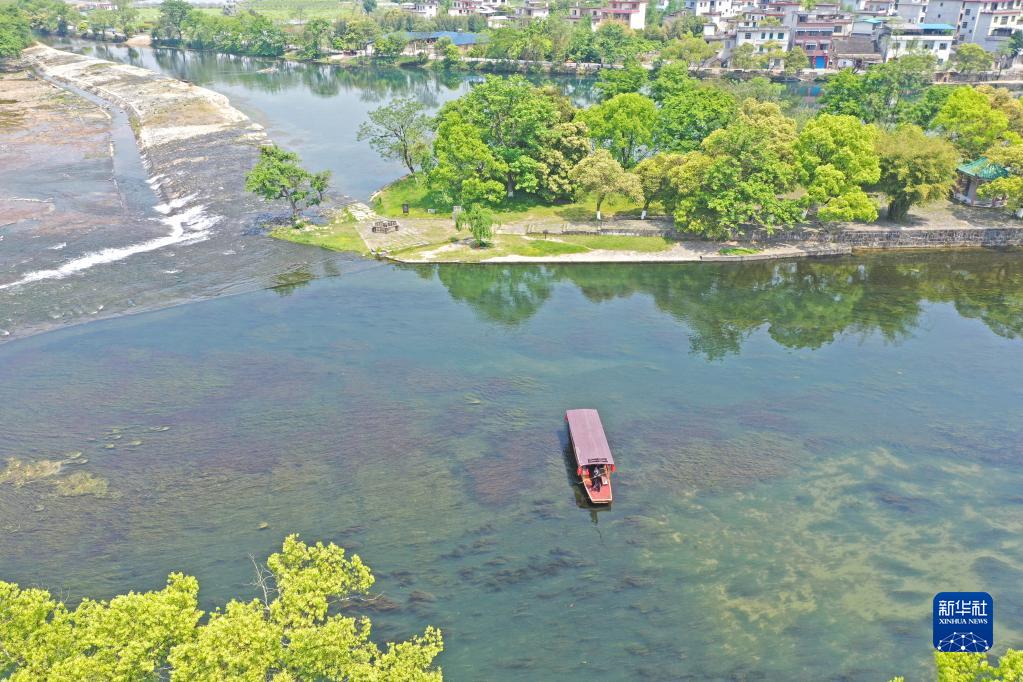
193,143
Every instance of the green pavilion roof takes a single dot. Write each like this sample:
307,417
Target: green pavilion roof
983,169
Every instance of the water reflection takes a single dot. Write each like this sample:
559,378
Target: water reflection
800,304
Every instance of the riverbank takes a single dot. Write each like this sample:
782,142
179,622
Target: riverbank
550,236
123,191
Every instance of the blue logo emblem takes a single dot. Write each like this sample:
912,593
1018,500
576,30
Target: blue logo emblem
964,622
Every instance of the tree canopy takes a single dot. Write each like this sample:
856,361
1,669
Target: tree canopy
398,131
278,175
296,629
837,159
624,125
739,176
15,32
601,175
915,168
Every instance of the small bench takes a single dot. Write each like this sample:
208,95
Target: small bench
385,226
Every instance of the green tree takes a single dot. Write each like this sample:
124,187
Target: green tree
278,175
624,125
915,168
922,110
467,170
355,34
293,631
672,79
601,175
126,17
745,56
398,131
796,60
654,173
630,78
369,6
514,119
882,93
567,144
1006,102
389,47
684,120
837,158
480,222
316,36
690,49
970,122
966,667
15,32
971,58
739,176
614,42
171,19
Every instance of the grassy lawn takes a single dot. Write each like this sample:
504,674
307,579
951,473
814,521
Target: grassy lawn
738,251
339,235
413,191
534,247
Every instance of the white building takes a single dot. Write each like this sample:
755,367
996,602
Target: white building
722,8
427,9
533,9
899,40
764,39
632,13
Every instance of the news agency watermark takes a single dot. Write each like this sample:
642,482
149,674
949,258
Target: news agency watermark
963,622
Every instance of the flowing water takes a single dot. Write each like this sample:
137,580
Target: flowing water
808,451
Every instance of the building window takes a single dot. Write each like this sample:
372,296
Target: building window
748,36
967,12
762,35
943,46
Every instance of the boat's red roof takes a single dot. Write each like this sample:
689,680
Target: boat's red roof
588,439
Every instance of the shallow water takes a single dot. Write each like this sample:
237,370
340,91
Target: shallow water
808,452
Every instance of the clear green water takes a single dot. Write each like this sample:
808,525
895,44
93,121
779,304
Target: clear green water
808,451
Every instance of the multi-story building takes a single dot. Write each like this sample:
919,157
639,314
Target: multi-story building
722,8
988,24
897,40
425,9
763,37
911,11
815,32
484,8
533,9
632,13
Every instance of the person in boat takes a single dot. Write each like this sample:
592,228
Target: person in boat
596,476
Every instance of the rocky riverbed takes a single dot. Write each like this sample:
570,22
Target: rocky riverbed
123,190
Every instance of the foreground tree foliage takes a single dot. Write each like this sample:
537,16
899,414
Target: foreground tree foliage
915,168
15,31
278,175
293,632
1011,187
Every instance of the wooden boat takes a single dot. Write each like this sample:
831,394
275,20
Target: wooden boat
594,463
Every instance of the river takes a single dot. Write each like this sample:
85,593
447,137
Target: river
808,451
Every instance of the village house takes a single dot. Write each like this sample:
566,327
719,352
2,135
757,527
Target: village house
897,40
632,13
